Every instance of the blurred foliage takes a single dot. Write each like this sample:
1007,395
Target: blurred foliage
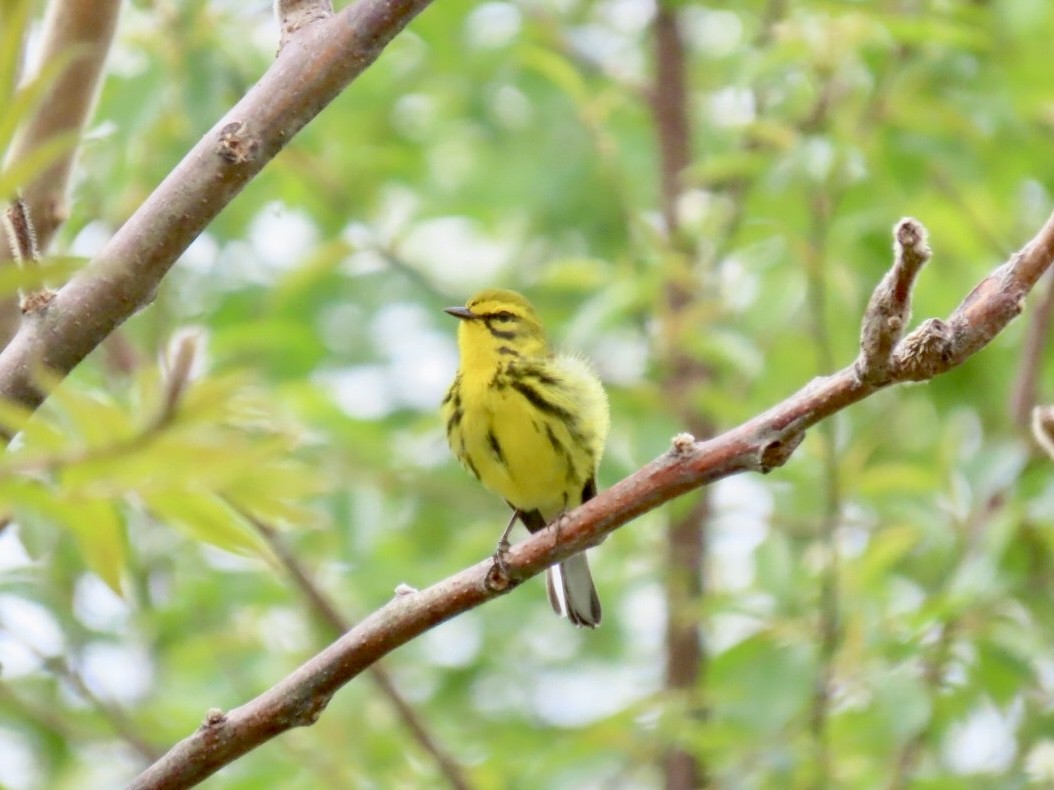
511,143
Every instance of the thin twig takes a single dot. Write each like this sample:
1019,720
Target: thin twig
1024,395
829,621
936,663
337,624
932,677
43,716
120,722
175,382
20,233
115,715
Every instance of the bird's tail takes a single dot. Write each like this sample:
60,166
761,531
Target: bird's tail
572,593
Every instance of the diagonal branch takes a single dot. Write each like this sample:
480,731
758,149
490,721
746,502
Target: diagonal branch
759,445
314,66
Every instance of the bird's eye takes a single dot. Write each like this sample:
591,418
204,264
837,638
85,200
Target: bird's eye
504,315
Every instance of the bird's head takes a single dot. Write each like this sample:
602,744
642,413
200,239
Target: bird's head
498,325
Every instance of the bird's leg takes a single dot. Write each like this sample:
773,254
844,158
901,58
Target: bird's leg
503,543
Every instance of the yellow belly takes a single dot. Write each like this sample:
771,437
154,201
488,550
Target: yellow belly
533,459
511,449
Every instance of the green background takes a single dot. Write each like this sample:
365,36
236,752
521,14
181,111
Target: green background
511,144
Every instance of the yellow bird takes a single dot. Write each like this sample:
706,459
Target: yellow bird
530,424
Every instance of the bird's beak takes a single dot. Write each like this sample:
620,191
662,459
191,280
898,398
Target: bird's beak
460,312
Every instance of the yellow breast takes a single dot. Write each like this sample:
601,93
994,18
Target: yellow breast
532,432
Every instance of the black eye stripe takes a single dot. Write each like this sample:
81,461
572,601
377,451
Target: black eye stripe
502,334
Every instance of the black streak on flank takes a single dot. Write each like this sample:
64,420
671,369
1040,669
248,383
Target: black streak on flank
555,443
535,399
453,397
455,418
570,473
542,377
492,440
471,467
510,351
454,392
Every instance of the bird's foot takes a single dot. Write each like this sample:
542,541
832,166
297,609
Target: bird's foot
558,524
501,553
498,577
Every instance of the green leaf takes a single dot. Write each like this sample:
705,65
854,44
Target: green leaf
205,517
559,70
96,524
100,531
762,682
28,95
887,547
14,20
1000,672
93,418
22,172
902,702
50,271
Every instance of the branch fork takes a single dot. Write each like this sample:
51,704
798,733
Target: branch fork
889,310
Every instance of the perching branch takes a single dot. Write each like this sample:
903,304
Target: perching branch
313,67
759,445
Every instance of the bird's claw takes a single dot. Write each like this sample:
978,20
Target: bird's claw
558,524
501,552
498,578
